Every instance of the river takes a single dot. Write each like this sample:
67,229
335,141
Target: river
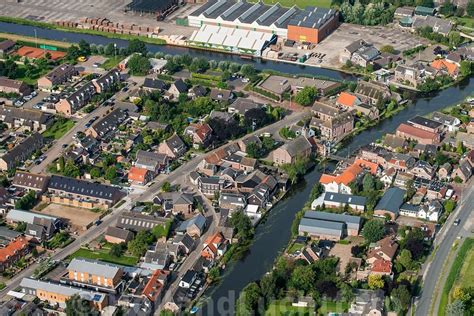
273,234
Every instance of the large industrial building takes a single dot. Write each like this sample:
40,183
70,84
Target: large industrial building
304,25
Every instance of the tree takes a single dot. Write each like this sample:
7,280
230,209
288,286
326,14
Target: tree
253,150
77,306
117,250
199,64
347,293
166,187
414,243
400,298
454,38
405,259
306,96
95,173
456,308
375,281
247,70
470,8
373,230
447,8
466,68
268,286
387,49
138,65
111,173
449,206
250,296
213,275
303,278
27,201
71,169
139,245
137,46
368,183
20,227
256,118
242,225
84,47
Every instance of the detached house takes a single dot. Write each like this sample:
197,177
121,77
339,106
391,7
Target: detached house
287,154
154,162
381,256
201,134
423,169
177,88
214,246
446,67
173,147
463,171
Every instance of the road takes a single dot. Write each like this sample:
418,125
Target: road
55,150
435,272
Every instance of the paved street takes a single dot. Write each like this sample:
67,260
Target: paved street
57,147
435,272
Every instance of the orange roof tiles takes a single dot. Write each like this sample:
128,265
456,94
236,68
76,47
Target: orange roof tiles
351,172
347,99
155,285
382,266
137,174
12,248
211,244
372,166
443,64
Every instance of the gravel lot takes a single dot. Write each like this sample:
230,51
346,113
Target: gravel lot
79,218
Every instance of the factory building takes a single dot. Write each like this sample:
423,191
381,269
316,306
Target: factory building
309,25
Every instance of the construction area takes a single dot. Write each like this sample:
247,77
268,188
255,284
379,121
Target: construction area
78,218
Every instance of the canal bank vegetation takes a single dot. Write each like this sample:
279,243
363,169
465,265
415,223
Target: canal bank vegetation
50,26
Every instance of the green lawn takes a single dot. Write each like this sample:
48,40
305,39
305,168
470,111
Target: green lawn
295,247
299,3
59,128
465,21
466,277
283,307
333,307
111,62
103,255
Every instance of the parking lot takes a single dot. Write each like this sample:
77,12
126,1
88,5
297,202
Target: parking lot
346,34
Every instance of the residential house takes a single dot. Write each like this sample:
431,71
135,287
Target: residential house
221,95
347,100
6,47
400,162
390,203
30,181
209,186
21,152
446,67
26,119
160,257
93,273
185,242
140,175
431,211
324,111
232,201
197,92
441,26
402,179
290,151
81,193
329,226
463,171
153,84
311,254
107,80
340,200
201,134
155,287
214,246
137,222
372,93
12,252
188,279
173,147
177,88
56,293
339,183
413,74
152,161
242,105
359,53
337,128
42,229
426,124
107,125
423,169
385,249
57,76
411,132
178,202
394,142
368,302
450,123
444,172
194,227
244,142
388,176
14,86
69,105
115,235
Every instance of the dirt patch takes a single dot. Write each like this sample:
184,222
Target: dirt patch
343,252
78,218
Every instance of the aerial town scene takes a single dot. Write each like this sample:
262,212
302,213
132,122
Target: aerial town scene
237,157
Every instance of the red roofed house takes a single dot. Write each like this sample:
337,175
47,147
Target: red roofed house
380,258
347,99
214,247
140,175
200,133
421,136
448,67
340,183
154,288
381,267
16,249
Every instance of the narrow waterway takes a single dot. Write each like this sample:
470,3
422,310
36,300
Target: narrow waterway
273,234
259,64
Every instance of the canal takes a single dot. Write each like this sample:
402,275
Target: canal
273,234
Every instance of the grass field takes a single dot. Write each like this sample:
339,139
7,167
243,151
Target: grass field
466,276
103,255
299,3
59,128
111,62
295,247
333,307
455,273
284,307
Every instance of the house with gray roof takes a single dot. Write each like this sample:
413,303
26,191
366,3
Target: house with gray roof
321,229
287,154
31,181
185,241
115,235
108,125
16,216
222,95
21,152
232,200
242,105
137,222
352,224
390,203
360,53
194,227
28,119
173,147
338,200
153,161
